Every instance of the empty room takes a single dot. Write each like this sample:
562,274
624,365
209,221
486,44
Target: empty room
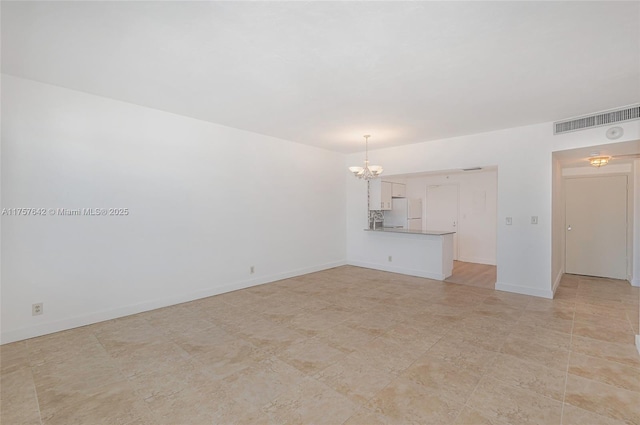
385,212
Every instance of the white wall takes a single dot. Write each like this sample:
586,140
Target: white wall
635,280
476,229
206,202
524,159
557,218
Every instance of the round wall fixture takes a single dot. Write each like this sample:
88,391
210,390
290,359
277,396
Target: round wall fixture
615,133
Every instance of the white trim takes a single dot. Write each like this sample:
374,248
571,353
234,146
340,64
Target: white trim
635,282
638,343
100,316
400,270
486,261
525,290
556,282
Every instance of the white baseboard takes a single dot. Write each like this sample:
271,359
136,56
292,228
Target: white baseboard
638,343
557,280
525,290
400,270
100,316
475,260
635,282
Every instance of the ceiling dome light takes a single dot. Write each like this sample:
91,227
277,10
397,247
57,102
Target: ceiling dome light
367,172
599,161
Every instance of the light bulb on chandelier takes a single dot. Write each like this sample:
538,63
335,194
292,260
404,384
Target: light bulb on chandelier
368,172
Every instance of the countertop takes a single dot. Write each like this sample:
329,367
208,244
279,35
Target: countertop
410,231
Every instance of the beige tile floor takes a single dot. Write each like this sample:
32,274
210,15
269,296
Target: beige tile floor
342,346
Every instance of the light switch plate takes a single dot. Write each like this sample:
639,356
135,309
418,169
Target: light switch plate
508,221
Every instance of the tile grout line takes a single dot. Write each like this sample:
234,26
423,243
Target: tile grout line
33,379
633,329
35,392
566,376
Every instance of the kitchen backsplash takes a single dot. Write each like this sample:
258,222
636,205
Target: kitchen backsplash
375,215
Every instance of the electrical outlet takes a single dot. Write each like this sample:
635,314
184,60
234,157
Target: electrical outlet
509,221
37,309
534,219
252,270
390,258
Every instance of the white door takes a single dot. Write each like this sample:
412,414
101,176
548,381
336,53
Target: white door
596,226
442,211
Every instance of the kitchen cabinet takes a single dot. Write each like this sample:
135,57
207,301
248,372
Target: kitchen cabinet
380,195
398,190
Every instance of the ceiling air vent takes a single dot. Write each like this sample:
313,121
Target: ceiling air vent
597,120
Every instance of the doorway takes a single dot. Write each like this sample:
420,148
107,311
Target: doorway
465,203
596,226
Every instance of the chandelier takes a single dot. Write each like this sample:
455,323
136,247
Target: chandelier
368,172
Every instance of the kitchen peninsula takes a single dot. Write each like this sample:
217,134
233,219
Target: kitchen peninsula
420,253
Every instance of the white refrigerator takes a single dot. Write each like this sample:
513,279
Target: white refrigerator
405,213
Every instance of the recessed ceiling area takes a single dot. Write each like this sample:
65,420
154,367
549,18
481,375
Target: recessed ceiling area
620,153
325,73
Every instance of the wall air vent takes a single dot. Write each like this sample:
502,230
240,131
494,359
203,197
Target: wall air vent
597,120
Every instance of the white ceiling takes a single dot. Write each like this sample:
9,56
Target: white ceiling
325,73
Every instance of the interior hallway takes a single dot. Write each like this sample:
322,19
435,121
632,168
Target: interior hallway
342,346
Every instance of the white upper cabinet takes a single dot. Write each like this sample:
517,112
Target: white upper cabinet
380,195
398,190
